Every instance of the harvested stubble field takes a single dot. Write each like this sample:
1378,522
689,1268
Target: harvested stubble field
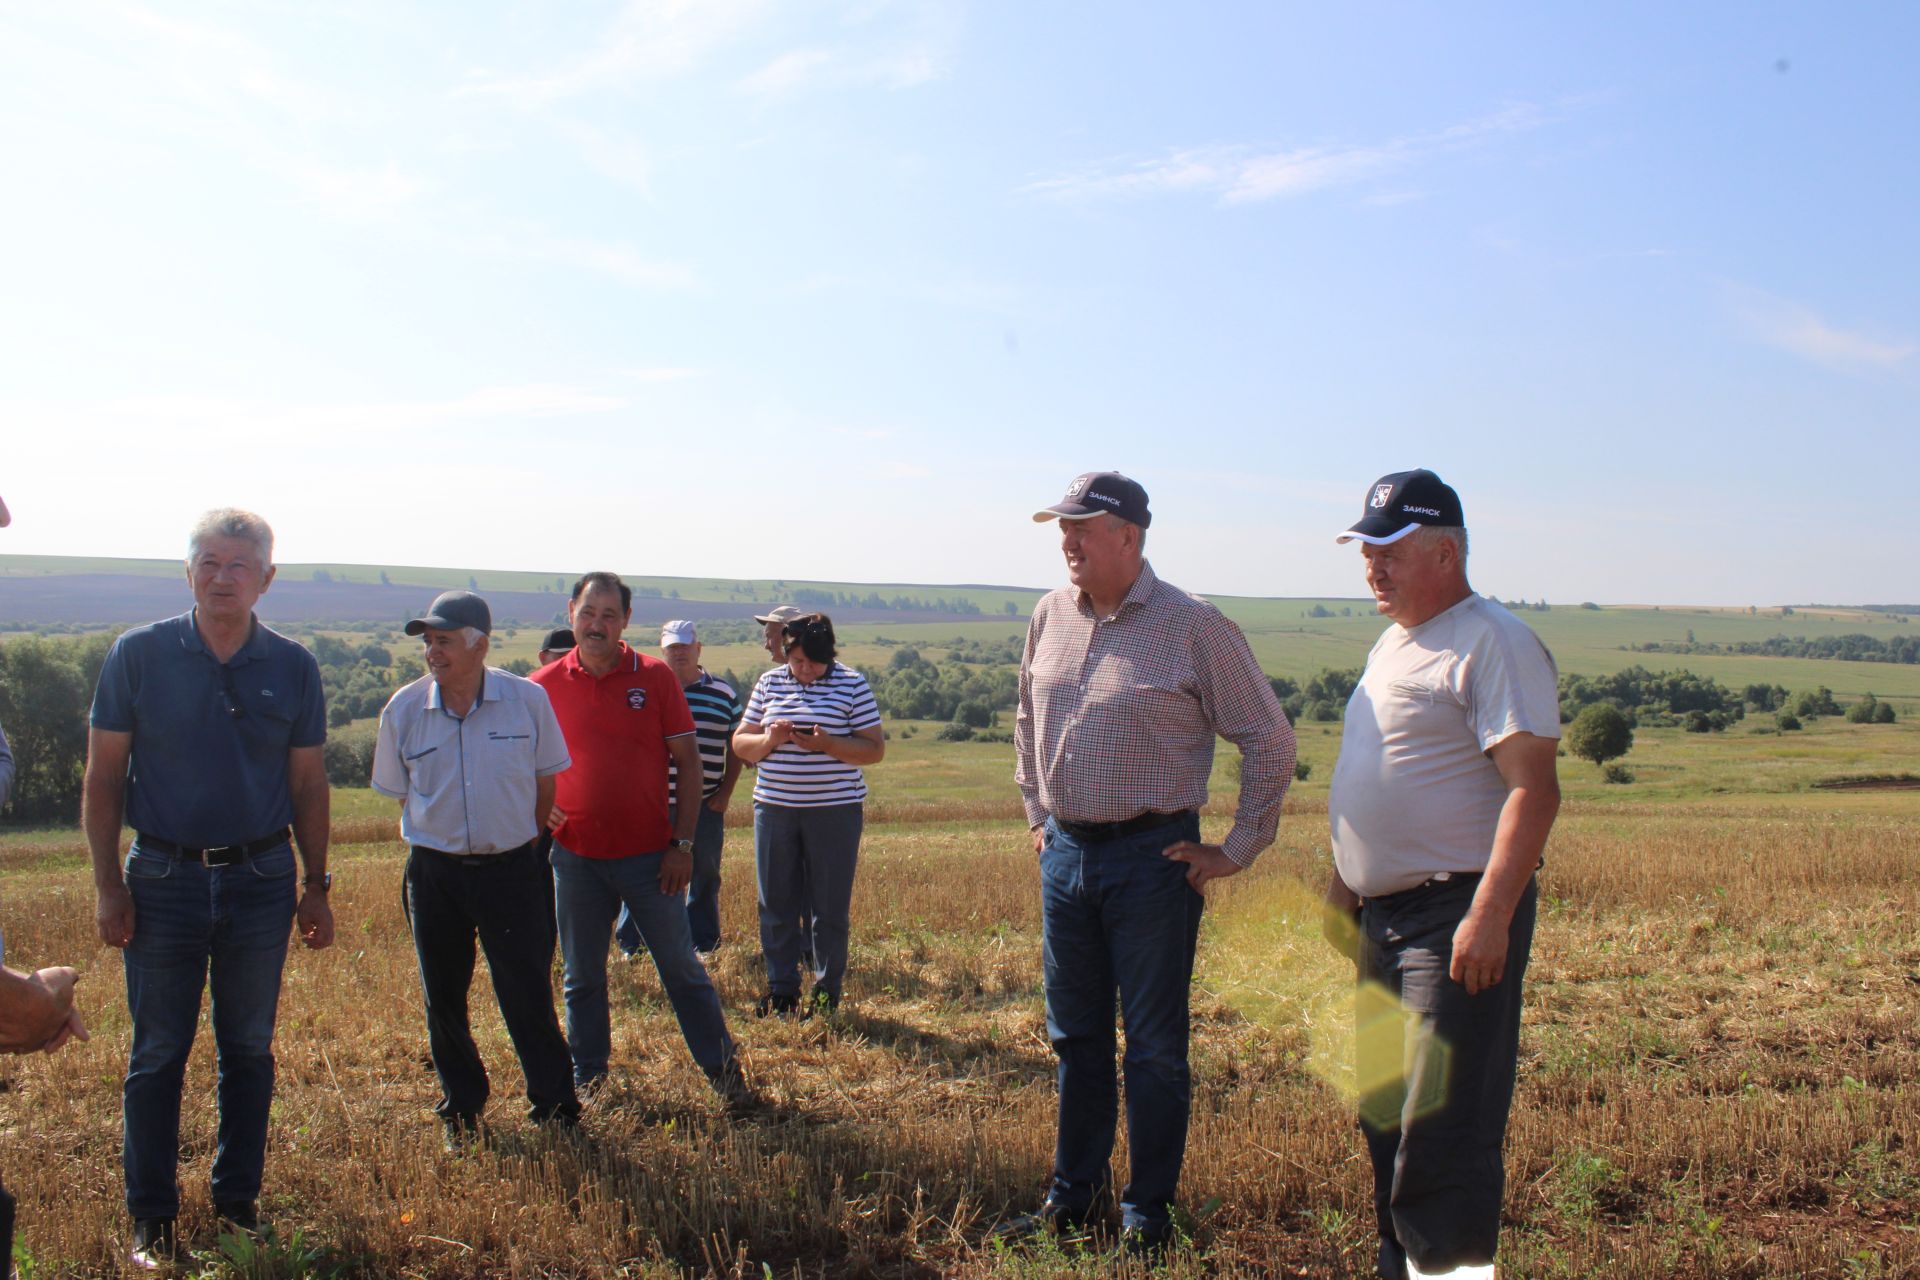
1717,1075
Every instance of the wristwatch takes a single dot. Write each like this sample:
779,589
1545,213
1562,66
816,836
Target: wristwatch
685,846
322,882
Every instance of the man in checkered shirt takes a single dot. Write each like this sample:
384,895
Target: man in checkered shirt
1125,684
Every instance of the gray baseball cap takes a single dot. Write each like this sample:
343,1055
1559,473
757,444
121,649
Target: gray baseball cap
785,613
452,610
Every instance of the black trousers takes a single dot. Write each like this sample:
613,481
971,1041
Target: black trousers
507,903
1441,1065
6,1230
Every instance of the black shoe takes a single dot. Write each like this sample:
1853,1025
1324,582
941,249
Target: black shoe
1052,1219
459,1134
736,1095
238,1217
559,1123
780,1002
154,1244
1150,1243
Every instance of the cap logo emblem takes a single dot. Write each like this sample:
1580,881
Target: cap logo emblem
1381,493
1077,488
636,699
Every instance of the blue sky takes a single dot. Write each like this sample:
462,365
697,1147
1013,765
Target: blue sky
846,290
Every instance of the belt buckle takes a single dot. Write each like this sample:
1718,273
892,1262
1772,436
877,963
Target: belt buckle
225,856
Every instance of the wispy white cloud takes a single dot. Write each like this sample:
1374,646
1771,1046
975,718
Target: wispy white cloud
664,374
786,73
1791,327
648,39
351,195
1242,174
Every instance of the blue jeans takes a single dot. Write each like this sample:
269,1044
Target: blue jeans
191,922
804,857
1119,920
588,893
703,893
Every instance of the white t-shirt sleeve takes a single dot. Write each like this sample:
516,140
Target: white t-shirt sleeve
1512,687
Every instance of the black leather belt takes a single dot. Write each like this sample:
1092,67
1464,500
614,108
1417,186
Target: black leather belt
225,856
1444,877
475,859
1096,832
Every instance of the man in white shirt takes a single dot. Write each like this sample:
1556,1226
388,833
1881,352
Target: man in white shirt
471,752
1440,807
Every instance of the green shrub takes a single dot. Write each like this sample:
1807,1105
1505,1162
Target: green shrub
1617,773
349,756
1787,721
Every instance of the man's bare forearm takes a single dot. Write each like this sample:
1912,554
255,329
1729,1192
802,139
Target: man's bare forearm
1518,843
102,809
313,827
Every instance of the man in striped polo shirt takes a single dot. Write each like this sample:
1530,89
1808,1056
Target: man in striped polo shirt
1125,684
716,713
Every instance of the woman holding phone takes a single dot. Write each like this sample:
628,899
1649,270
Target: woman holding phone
809,727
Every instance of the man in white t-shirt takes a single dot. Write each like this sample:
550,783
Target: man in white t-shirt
1441,802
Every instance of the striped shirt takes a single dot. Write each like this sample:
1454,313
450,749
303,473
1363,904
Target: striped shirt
1118,715
716,714
839,702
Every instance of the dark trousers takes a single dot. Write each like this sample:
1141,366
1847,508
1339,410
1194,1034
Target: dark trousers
1434,1129
6,1228
805,857
507,903
1119,921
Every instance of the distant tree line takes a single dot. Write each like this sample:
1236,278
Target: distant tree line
817,598
1848,648
1701,704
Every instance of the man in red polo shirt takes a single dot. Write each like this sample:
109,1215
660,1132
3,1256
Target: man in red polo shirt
624,717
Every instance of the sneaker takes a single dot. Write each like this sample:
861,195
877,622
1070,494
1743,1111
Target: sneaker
777,1002
238,1217
154,1244
1052,1219
459,1134
1148,1242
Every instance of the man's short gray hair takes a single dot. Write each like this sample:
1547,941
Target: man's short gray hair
232,522
1457,535
473,636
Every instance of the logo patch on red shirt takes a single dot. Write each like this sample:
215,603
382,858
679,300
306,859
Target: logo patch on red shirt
636,699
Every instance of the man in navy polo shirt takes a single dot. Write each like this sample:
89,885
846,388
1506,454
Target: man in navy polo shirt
471,752
206,739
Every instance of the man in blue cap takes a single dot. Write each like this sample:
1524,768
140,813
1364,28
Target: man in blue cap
1440,806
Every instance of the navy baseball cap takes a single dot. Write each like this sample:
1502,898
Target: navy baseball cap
452,610
1399,503
1098,492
